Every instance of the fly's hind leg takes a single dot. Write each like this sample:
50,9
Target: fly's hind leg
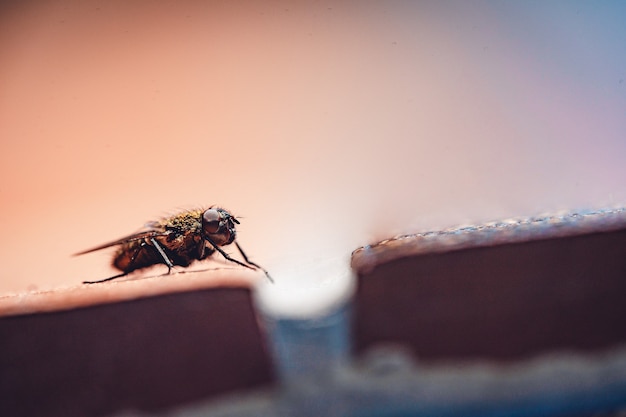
155,244
123,274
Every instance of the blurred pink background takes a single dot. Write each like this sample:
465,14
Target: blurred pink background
324,126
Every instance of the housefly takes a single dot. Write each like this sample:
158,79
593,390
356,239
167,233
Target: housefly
179,239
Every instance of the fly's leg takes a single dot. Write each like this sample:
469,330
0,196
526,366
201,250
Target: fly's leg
166,258
143,244
227,256
243,254
123,274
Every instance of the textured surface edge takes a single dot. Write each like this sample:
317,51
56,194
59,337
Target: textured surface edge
513,230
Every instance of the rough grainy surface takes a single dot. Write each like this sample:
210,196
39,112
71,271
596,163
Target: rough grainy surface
126,288
549,226
153,352
559,287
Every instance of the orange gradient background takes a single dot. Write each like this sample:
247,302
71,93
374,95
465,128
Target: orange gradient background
324,125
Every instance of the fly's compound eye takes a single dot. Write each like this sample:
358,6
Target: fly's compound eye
211,221
218,227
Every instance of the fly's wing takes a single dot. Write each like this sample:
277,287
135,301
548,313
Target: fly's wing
130,238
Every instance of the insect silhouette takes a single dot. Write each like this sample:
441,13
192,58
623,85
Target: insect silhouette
179,239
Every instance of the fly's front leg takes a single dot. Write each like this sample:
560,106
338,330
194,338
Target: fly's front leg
243,254
227,256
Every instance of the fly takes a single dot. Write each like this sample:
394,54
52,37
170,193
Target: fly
179,240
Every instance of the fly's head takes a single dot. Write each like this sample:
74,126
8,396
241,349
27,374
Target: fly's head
218,225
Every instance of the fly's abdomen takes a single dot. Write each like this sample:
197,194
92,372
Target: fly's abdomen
136,255
142,254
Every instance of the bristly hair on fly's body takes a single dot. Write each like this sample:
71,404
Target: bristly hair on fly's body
177,240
